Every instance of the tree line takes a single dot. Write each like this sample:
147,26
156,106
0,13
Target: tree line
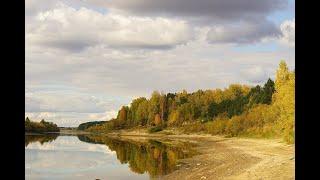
266,110
40,127
86,125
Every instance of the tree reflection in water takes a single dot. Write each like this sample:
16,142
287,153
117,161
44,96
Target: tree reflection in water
153,157
42,138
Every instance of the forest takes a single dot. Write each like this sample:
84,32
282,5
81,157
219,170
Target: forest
40,127
239,110
86,125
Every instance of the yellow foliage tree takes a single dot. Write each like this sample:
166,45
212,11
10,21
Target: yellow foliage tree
235,90
174,118
122,115
284,100
157,120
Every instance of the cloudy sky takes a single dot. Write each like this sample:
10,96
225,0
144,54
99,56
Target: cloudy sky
87,58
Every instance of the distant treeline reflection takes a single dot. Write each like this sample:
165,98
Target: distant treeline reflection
40,138
154,157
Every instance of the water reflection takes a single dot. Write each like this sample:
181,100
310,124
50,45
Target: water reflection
154,157
39,138
93,156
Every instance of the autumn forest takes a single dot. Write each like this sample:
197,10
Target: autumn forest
261,111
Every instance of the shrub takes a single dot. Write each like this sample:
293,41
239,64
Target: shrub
193,127
217,126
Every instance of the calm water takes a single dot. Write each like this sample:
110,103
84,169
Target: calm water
100,157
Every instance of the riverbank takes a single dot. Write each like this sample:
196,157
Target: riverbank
220,157
227,158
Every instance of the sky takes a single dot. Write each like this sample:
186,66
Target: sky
87,58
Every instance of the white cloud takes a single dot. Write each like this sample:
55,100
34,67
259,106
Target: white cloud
47,101
70,108
242,33
104,116
137,73
288,33
255,74
32,7
38,116
75,29
215,9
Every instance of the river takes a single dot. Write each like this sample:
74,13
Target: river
57,156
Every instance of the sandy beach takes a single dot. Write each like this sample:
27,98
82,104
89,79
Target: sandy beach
228,158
